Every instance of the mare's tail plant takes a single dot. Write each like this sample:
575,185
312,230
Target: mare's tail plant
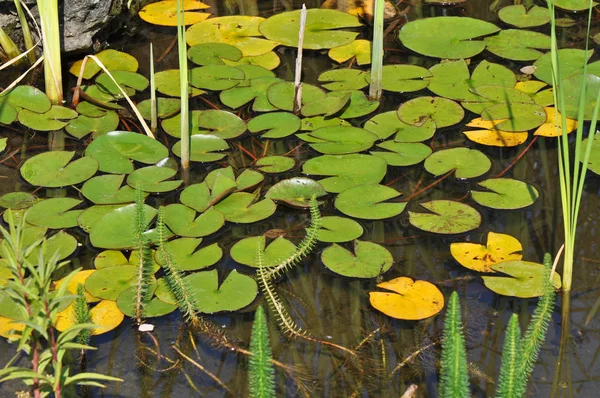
454,373
142,245
511,356
261,375
174,278
82,315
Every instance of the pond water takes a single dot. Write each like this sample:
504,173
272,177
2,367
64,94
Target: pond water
393,353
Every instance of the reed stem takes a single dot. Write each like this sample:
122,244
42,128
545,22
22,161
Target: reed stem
184,90
48,10
375,87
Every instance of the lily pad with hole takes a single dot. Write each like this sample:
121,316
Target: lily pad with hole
324,28
404,78
281,95
499,248
109,283
296,191
117,150
269,60
277,251
184,221
339,140
466,163
368,260
442,111
446,217
505,194
408,299
594,160
204,148
275,125
402,153
256,91
386,124
116,229
343,79
165,108
213,53
335,229
358,49
446,37
275,164
17,200
168,83
489,135
518,45
187,255
346,171
525,279
154,179
54,119
54,169
54,213
520,17
82,125
108,189
165,12
369,202
243,208
152,309
111,59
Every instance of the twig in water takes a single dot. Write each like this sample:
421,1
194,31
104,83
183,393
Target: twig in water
298,77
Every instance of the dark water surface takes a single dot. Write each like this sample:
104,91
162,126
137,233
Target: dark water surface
335,308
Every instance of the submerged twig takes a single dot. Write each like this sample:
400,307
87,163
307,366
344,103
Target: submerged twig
298,76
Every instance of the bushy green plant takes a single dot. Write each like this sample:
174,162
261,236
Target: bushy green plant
261,373
145,270
454,374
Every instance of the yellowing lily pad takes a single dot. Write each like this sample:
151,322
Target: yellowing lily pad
165,12
359,49
446,217
77,279
9,328
410,300
499,248
552,127
105,315
489,135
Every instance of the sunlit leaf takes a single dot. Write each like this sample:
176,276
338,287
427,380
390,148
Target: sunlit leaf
499,248
408,299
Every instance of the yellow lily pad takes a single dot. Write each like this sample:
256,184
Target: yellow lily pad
489,135
499,248
549,128
76,280
165,12
361,49
410,300
105,315
7,325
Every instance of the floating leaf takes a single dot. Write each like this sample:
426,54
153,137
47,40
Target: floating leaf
165,12
506,194
60,244
152,309
327,106
84,125
17,200
443,112
518,116
203,148
256,91
412,300
296,191
216,77
571,62
93,214
281,95
54,169
367,202
314,123
187,256
446,217
165,107
446,37
519,16
240,31
402,153
202,196
386,124
553,127
107,316
575,5
54,119
53,213
368,261
347,171
109,283
213,53
489,135
323,28
499,248
359,49
222,124
111,59
518,45
116,151
339,140
525,279
359,104
172,125
339,229
276,252
276,124
10,328
130,82
116,229
344,79
78,279
24,97
108,189
269,60
594,161
154,179
275,164
182,221
492,95
466,163
572,87
404,78
167,82
240,208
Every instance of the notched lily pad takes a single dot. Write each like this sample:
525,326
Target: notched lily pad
368,260
275,164
466,163
442,111
525,279
411,300
506,194
187,255
346,171
241,207
276,252
54,169
336,229
296,191
446,217
499,248
367,202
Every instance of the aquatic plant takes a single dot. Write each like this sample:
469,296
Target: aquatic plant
261,375
8,46
153,104
82,315
184,90
48,10
27,39
375,85
142,245
454,377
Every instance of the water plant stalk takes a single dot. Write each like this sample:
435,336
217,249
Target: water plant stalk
298,74
8,45
375,87
142,246
571,174
454,372
261,375
48,10
153,104
27,39
184,90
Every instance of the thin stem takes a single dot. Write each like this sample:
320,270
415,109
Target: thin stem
375,88
298,75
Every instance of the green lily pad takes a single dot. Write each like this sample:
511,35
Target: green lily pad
54,213
240,207
245,251
269,60
368,260
519,16
344,79
281,95
167,82
200,196
130,82
575,5
8,113
91,110
182,221
17,200
256,91
493,95
446,37
154,179
323,28
116,258
327,106
216,77
222,124
109,283
572,90
367,202
571,62
116,151
26,97
275,125
203,148
165,107
525,279
452,79
519,116
358,49
518,45
404,78
446,217
93,214
108,190
359,104
442,111
213,53
506,194
385,124
296,191
248,180
240,31
593,164
316,122
172,125
60,244
83,125
113,60
116,229
275,164
346,171
187,256
54,119
402,153
54,169
339,229
152,309
339,140
466,163
101,98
